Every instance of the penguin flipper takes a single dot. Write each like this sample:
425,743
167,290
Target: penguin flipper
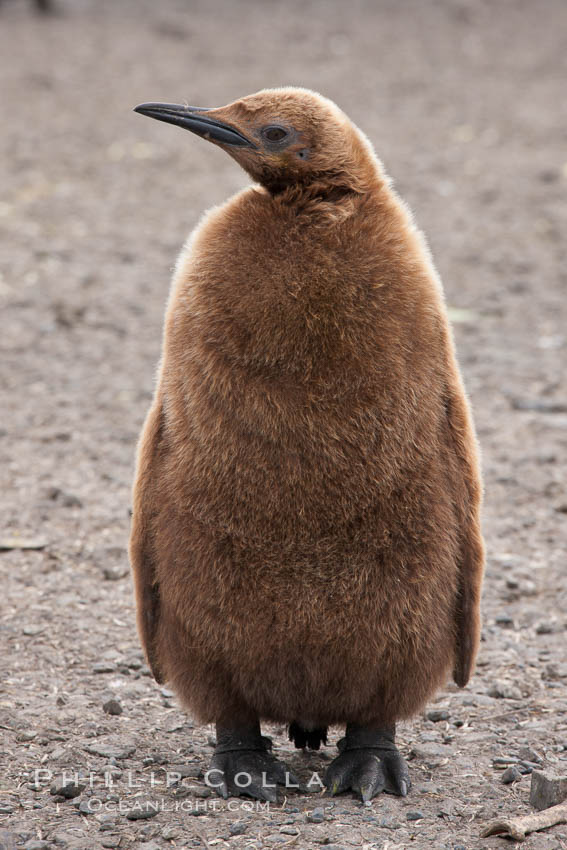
471,559
140,549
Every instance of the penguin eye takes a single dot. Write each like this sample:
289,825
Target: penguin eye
274,133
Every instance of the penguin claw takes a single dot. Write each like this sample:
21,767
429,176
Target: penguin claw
360,770
252,773
368,772
397,774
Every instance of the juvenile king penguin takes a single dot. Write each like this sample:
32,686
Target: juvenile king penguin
305,542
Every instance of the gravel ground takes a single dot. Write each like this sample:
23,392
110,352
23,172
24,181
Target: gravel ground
465,102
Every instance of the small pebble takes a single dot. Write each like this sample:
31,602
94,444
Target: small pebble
437,715
6,809
429,737
289,830
143,809
170,833
67,789
63,839
389,823
110,752
504,761
199,791
193,771
510,775
114,573
502,690
415,815
104,667
316,816
111,841
24,737
238,828
530,755
546,628
112,706
32,630
504,621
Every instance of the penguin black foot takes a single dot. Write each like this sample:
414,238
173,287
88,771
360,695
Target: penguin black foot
243,764
312,738
369,762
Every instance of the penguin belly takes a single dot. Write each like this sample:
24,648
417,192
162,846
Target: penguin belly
350,627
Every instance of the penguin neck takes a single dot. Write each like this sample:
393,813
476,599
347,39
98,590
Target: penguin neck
325,192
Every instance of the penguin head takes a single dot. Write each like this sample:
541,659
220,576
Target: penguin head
282,137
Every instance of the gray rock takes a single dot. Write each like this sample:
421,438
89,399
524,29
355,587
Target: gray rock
143,809
193,771
112,706
539,405
510,775
547,789
115,573
238,828
503,690
6,809
110,772
33,629
501,762
9,543
63,839
110,751
546,628
67,788
199,791
417,815
132,663
504,621
447,808
431,755
438,714
24,737
389,823
111,841
170,833
36,845
429,737
289,830
104,667
316,816
8,839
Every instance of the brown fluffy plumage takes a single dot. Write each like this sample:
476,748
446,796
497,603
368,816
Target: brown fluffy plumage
305,541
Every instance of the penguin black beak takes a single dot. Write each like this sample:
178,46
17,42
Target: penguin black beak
193,118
